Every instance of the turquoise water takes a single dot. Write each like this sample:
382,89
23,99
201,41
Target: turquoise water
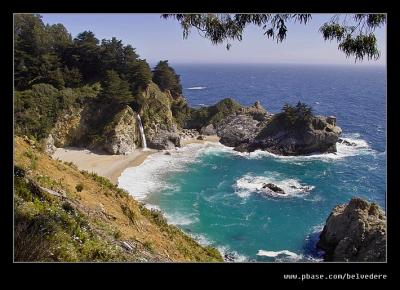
214,193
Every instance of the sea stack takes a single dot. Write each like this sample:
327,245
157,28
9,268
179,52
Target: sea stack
355,232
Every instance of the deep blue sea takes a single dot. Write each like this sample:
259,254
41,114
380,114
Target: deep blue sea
213,193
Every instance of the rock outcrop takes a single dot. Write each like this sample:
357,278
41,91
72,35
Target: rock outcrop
238,129
69,127
202,117
49,147
122,135
163,139
355,232
316,135
208,130
96,126
155,110
243,126
274,188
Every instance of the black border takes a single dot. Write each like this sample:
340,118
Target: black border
232,272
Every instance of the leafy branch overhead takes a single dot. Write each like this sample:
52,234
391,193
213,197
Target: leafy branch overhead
354,33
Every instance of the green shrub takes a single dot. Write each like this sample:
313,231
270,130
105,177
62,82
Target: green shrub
129,213
79,187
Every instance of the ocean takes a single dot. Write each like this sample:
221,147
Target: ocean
211,192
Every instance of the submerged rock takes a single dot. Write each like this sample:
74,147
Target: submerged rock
355,232
274,188
347,143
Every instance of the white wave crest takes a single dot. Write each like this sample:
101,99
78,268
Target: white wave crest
180,219
197,88
248,184
152,207
201,239
274,254
231,255
360,147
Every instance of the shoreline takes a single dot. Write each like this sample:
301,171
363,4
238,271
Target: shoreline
112,166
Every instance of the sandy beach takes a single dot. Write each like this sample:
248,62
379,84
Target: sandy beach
111,166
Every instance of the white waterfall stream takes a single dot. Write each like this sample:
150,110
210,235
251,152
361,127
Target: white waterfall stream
143,137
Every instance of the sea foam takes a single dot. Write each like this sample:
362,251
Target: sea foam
196,88
248,184
361,147
151,175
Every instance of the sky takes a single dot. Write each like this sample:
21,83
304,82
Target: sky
159,39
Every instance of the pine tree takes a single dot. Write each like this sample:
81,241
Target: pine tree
166,78
116,89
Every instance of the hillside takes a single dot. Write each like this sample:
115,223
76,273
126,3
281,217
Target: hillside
63,214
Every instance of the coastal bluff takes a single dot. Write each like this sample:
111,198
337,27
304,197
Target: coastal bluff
167,119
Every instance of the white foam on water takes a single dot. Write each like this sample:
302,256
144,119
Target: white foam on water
201,239
180,219
274,254
152,207
197,88
361,147
248,184
287,256
234,255
150,176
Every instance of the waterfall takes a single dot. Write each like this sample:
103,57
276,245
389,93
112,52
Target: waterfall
143,137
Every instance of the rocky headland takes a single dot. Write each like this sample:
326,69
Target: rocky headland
355,232
167,120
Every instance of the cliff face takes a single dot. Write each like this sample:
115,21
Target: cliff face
159,124
254,129
122,134
355,232
114,130
69,127
319,135
63,214
242,126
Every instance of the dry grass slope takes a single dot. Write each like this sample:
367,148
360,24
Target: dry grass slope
93,221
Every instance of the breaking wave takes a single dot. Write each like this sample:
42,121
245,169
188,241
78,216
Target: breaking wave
248,184
152,174
359,147
196,88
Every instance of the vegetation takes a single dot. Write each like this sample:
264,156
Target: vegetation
299,114
36,110
88,225
166,78
54,71
115,88
354,34
212,114
79,187
294,118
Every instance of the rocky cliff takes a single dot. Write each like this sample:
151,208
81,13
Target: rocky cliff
318,135
122,135
114,128
253,129
355,232
97,126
